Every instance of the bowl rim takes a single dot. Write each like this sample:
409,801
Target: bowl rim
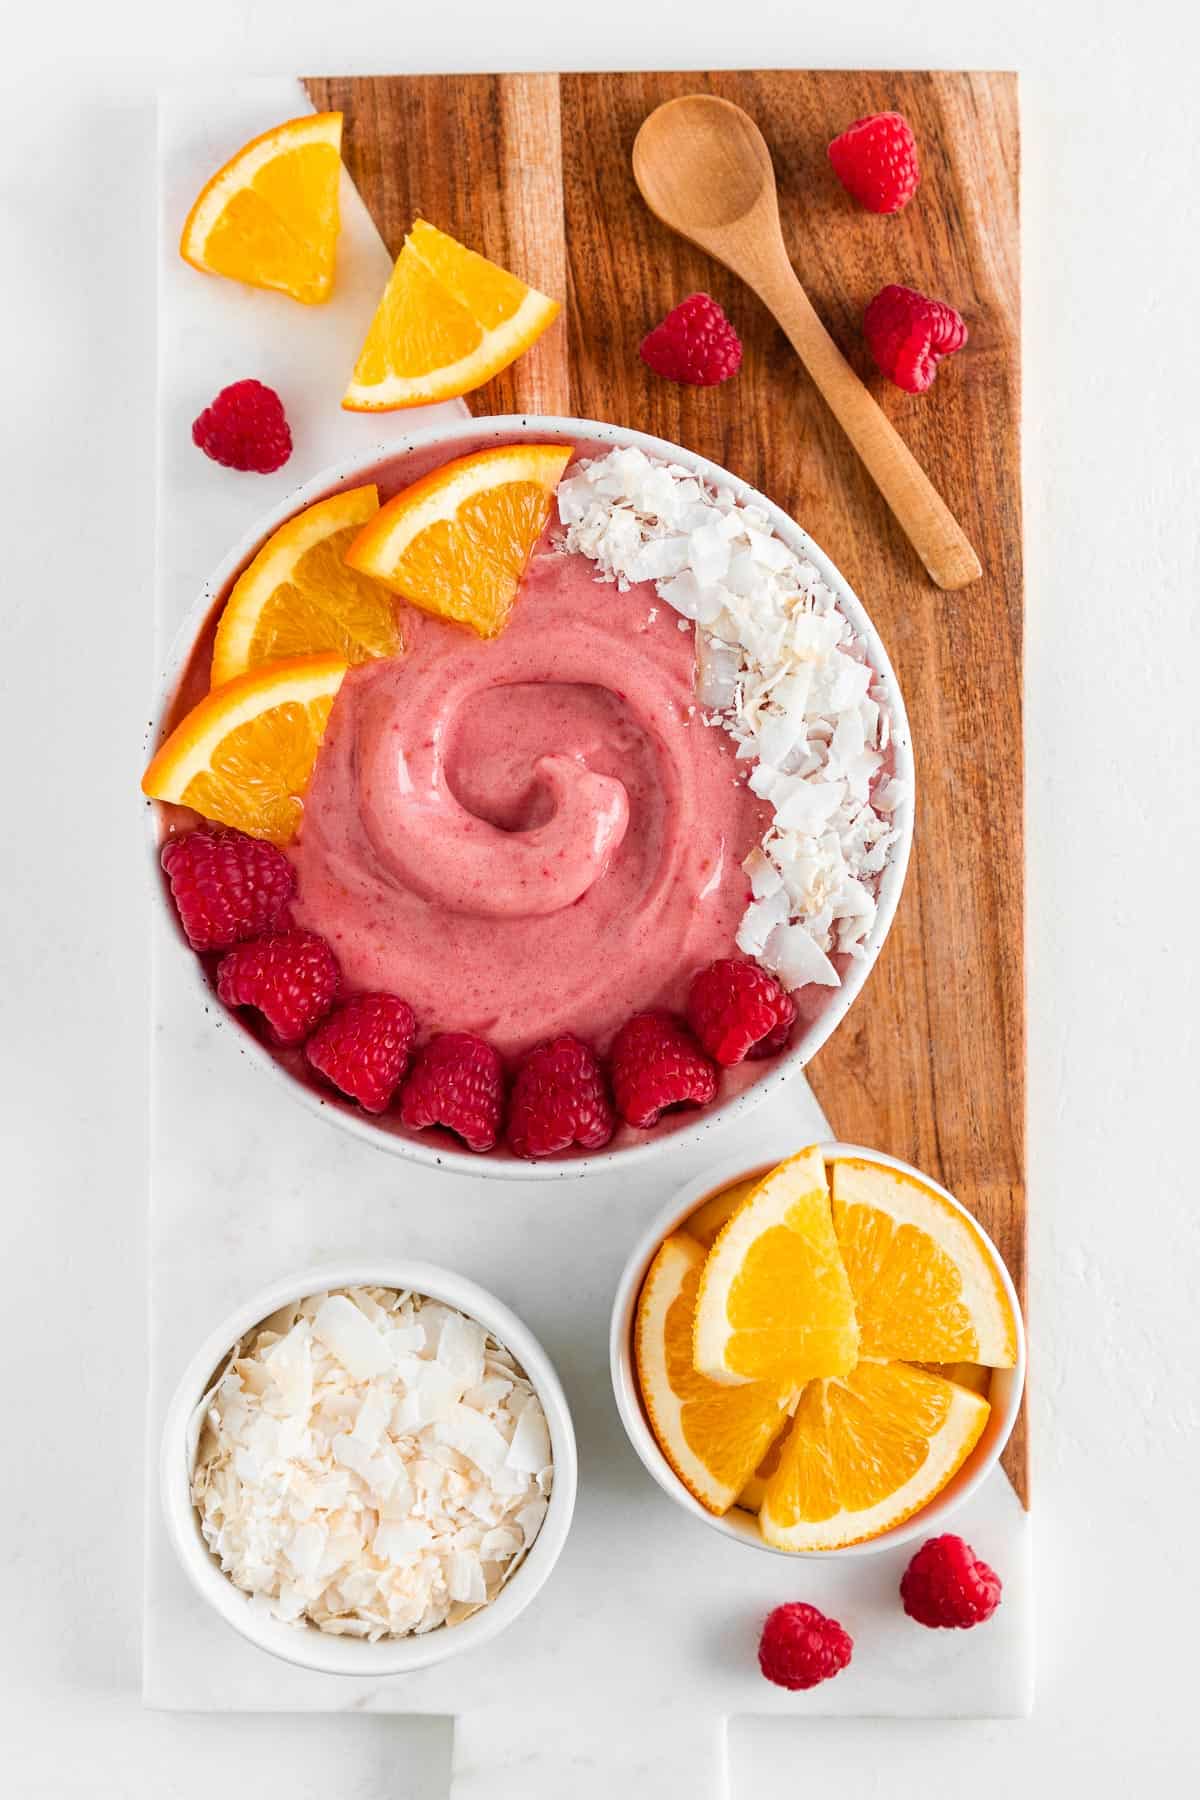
682,1136
308,1647
738,1525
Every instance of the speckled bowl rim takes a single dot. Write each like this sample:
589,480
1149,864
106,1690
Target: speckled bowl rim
681,1136
1007,1385
308,1647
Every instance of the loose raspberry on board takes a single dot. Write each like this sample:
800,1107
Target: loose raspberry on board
800,1647
908,334
695,345
875,159
946,1586
246,428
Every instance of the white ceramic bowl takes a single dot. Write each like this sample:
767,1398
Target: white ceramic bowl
1007,1385
427,449
306,1645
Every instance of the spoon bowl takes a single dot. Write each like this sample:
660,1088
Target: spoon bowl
700,132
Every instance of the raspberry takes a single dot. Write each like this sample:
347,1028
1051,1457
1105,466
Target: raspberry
363,1048
735,1006
457,1081
774,1042
945,1584
226,886
800,1647
559,1099
292,978
245,427
875,159
695,344
907,334
656,1063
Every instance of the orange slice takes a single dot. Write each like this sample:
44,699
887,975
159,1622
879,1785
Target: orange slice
457,542
925,1284
710,1219
449,320
713,1436
300,596
243,756
865,1452
270,216
775,1304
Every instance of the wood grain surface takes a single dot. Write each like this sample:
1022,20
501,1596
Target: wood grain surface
534,171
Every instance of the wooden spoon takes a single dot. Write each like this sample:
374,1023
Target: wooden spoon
704,170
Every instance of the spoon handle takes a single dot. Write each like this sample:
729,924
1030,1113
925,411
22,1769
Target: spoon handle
928,523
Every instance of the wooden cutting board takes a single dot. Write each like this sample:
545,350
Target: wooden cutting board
534,171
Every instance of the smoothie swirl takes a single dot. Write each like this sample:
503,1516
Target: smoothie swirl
533,834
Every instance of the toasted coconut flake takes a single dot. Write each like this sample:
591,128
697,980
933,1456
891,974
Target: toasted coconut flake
460,1349
530,1447
350,1337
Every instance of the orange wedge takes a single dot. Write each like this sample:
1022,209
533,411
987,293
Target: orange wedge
449,320
924,1282
270,216
457,542
300,596
775,1304
243,756
714,1437
865,1452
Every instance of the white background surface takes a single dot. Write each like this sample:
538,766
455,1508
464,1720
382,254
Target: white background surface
1112,477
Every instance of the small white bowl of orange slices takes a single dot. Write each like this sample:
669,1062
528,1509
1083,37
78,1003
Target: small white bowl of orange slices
819,1356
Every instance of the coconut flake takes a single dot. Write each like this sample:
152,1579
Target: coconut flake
792,954
460,1349
350,1336
530,1447
464,1578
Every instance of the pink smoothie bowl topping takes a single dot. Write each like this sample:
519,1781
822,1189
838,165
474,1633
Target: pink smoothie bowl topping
549,832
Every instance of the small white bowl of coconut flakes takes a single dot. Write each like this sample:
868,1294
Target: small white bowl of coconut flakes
368,1470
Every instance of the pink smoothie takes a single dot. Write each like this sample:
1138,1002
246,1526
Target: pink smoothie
534,834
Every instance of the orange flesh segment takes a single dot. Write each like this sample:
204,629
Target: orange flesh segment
866,1451
447,322
775,1303
326,606
713,1436
418,327
244,755
299,596
925,1284
480,519
270,216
